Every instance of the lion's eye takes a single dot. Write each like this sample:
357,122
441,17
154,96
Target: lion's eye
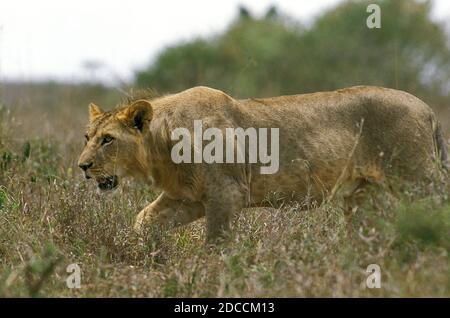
86,138
107,140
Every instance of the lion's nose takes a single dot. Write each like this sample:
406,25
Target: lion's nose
85,165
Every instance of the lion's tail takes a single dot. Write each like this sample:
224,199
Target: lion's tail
440,146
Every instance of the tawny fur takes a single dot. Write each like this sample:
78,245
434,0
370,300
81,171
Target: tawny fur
328,140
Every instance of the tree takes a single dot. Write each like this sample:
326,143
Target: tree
275,55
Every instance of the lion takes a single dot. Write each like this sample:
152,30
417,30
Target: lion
328,142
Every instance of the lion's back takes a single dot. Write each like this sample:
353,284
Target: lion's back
375,132
378,131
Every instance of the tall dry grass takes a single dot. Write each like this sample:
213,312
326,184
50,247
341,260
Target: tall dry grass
51,217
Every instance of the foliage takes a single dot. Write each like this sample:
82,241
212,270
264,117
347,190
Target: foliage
275,55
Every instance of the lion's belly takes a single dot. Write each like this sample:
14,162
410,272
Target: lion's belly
300,180
296,181
267,188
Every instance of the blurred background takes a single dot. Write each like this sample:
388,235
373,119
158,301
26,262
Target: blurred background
56,57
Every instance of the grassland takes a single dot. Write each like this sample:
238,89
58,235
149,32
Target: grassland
51,217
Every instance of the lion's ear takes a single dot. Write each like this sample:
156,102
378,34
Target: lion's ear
94,112
137,115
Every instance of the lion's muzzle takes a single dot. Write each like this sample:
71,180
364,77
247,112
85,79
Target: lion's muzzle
107,183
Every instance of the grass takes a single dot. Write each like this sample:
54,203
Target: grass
51,217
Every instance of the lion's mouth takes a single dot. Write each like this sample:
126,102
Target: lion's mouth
107,183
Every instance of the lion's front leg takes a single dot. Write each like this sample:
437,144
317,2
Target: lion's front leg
168,213
223,200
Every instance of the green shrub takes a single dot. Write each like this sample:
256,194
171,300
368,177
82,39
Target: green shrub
424,222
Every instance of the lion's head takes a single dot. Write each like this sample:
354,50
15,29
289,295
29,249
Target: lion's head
115,143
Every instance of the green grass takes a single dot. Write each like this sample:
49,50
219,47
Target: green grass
51,217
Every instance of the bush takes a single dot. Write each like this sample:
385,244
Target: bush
424,222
